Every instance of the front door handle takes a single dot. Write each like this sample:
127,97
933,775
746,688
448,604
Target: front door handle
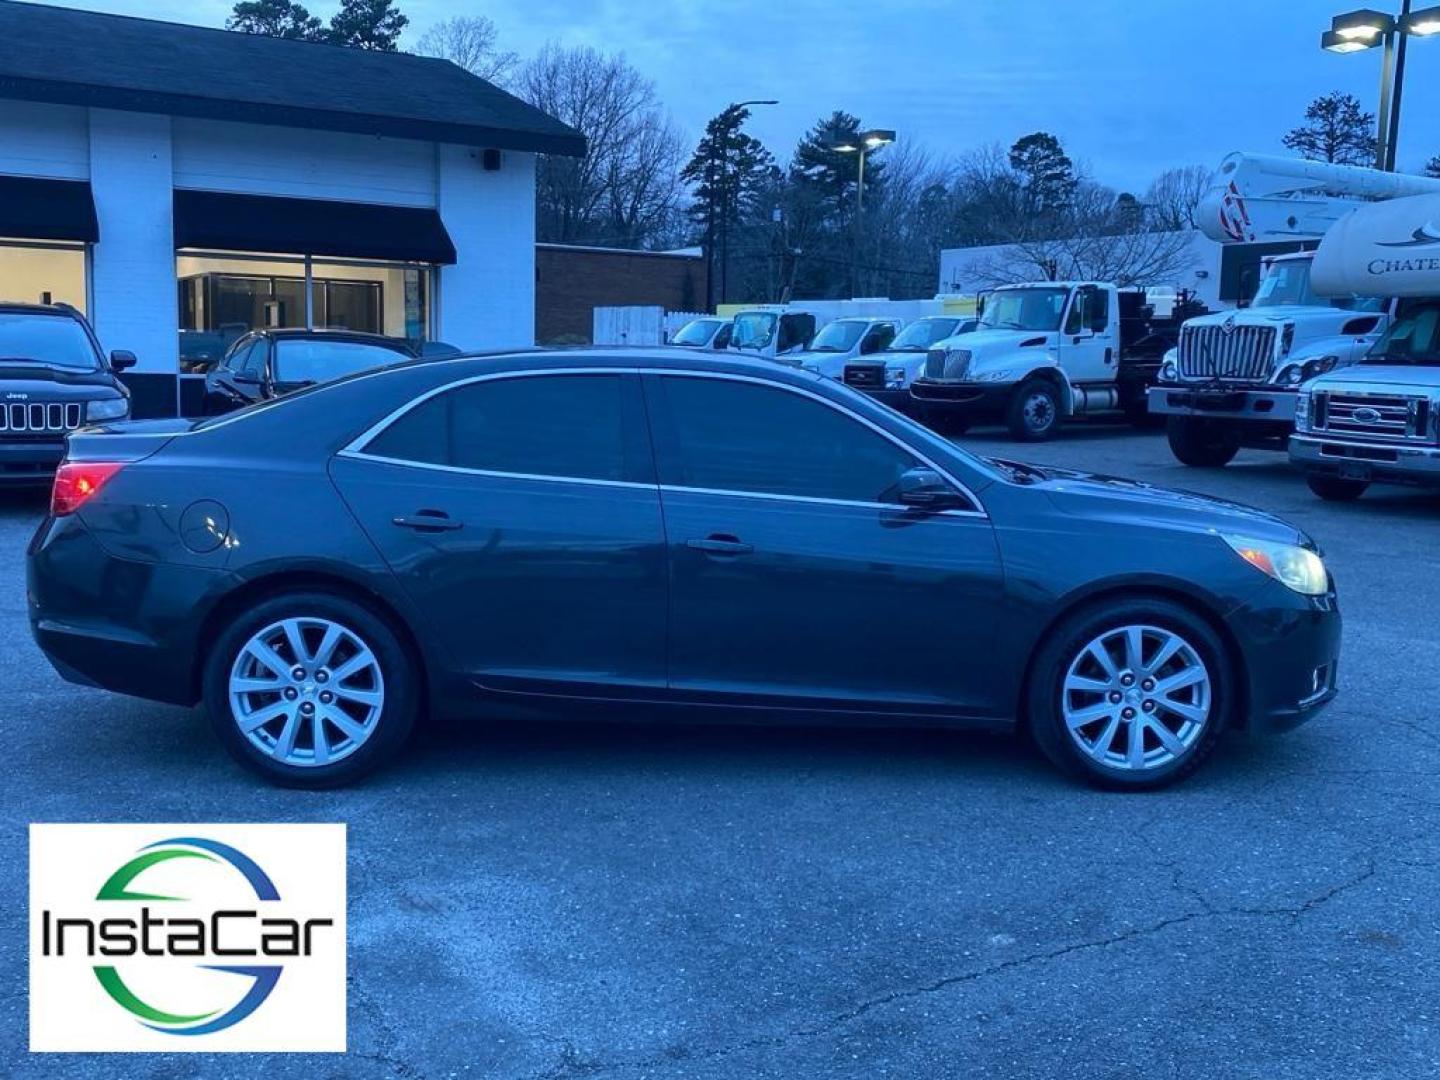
721,544
429,521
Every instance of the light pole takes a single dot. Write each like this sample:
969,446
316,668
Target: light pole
724,214
1366,28
861,145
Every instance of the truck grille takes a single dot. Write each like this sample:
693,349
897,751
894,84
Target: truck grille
1381,416
1245,353
947,363
40,417
865,376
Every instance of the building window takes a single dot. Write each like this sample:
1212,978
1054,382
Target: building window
34,272
223,296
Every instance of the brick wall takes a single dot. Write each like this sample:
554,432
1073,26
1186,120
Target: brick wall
570,282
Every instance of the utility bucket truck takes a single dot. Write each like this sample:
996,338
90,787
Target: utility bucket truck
1232,379
1380,419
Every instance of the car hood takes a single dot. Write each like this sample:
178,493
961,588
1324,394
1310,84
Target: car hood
1118,499
977,340
827,363
1423,379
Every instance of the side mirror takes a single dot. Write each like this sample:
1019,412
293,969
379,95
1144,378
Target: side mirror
927,489
122,359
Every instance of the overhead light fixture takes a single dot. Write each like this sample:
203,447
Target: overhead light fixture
1422,23
1366,24
844,146
1330,41
877,138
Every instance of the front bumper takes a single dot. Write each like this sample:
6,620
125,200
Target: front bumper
29,461
1236,403
1291,646
971,399
1366,461
120,624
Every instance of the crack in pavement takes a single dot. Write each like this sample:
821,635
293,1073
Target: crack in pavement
574,1066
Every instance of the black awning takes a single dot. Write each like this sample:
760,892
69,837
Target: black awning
32,209
264,223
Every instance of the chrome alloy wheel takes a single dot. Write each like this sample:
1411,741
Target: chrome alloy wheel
1136,698
306,691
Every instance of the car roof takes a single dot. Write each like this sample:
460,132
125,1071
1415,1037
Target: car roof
61,310
347,335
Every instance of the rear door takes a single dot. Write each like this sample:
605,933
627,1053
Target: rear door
521,514
794,573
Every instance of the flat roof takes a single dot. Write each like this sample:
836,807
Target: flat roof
68,57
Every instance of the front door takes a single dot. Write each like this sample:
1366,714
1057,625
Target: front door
795,575
521,514
1088,350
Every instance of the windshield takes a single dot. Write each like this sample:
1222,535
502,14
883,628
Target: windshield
839,336
53,340
696,332
1287,284
753,329
1413,338
1024,309
312,360
921,334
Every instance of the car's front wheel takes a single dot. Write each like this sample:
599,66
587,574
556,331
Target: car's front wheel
1033,414
1202,442
1130,695
1335,488
311,689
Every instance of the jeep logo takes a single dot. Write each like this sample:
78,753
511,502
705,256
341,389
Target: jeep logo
15,396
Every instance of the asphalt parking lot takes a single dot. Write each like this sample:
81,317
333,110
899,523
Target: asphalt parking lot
628,902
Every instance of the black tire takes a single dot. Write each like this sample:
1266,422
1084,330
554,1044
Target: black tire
1046,721
1201,442
1033,414
1335,488
398,709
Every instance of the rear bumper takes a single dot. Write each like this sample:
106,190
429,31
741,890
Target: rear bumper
118,624
1292,649
972,399
1235,403
1352,460
25,461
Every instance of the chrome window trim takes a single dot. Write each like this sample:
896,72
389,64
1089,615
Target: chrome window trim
355,448
494,473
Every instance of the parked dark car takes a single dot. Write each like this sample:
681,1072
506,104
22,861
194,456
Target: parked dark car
616,532
53,379
267,363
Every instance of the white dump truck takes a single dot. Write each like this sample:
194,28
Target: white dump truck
1232,379
1378,420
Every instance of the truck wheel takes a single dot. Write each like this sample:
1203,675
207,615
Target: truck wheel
1206,444
1034,411
1336,489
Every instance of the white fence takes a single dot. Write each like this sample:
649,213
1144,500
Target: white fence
637,325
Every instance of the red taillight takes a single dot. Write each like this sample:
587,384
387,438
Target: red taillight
77,481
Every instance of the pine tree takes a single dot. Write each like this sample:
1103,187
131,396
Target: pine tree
1046,171
1335,129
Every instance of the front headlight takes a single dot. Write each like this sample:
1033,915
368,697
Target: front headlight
110,408
895,378
1293,566
1302,412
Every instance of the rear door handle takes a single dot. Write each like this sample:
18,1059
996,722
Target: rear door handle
721,544
429,521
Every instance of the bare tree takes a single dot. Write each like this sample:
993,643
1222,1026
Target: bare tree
1173,195
625,191
472,42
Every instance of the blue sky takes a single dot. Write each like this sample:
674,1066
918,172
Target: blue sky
1131,87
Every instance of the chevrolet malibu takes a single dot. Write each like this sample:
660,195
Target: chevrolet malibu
658,533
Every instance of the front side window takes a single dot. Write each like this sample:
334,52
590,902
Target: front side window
53,340
736,436
311,360
566,426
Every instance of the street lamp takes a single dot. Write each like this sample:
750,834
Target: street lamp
860,145
1356,31
724,214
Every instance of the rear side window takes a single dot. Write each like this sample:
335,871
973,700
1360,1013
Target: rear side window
736,436
587,427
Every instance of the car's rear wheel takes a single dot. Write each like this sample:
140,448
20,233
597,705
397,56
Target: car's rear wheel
1033,414
1202,442
1335,488
1130,695
311,689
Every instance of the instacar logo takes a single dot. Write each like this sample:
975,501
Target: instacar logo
188,942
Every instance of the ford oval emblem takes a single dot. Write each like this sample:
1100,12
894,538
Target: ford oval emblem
1366,415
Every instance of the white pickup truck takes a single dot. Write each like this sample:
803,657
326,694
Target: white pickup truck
1378,420
1042,352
